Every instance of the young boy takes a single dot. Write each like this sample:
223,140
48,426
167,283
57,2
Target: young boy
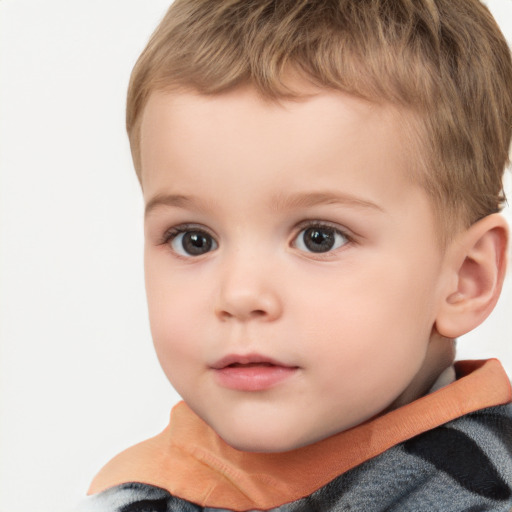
322,181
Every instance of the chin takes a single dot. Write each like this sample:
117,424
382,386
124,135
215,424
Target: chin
267,441
259,445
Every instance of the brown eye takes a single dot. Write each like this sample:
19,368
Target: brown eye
193,243
319,239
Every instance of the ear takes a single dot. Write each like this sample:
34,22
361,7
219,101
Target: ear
476,263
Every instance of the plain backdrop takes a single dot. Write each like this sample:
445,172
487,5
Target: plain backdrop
79,379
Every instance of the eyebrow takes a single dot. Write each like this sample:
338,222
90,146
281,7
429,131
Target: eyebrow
175,200
310,199
280,202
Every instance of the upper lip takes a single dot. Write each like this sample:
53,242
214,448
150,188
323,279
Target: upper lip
241,359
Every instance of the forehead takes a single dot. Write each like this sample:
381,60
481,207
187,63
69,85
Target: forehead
257,116
240,130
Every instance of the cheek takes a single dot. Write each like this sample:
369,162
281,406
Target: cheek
172,317
370,337
177,346
380,312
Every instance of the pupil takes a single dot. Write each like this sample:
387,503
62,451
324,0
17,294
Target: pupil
319,239
196,243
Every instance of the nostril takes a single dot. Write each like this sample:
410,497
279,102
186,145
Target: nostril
227,315
246,304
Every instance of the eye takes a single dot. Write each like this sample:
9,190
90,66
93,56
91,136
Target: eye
320,238
190,242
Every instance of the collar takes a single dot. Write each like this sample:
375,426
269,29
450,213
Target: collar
192,462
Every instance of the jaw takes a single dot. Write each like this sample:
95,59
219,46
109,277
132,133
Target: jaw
440,355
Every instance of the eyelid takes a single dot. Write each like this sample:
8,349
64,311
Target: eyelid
315,223
174,231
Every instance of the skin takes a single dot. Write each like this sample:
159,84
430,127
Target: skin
356,323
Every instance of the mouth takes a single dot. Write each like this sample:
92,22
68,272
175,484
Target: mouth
251,372
247,360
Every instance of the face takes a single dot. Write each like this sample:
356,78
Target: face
291,267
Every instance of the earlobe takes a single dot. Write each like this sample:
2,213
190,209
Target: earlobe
476,269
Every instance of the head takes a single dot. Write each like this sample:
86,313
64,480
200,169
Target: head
321,182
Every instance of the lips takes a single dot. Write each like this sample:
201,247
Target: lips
251,372
246,360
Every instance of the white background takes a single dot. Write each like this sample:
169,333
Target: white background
79,381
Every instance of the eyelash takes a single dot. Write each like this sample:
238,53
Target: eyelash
174,232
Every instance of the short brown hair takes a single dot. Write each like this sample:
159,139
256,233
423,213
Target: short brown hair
444,60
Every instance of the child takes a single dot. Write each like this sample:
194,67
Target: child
322,181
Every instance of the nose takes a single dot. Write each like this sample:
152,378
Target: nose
248,291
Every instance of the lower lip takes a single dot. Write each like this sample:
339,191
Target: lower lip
253,378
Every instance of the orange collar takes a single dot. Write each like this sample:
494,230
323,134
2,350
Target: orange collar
192,462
